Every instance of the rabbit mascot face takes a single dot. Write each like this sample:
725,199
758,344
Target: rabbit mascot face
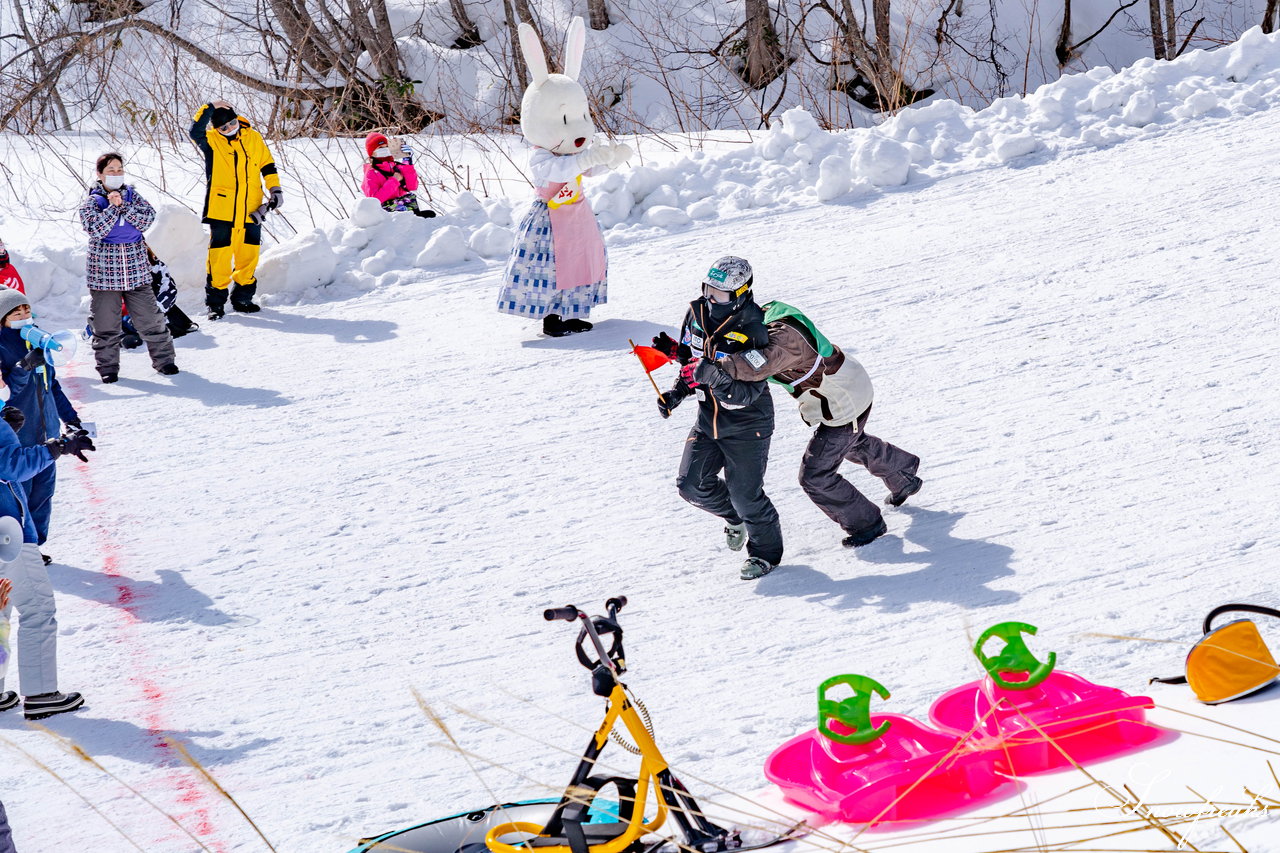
554,114
558,272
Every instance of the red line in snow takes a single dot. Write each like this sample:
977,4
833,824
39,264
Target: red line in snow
145,678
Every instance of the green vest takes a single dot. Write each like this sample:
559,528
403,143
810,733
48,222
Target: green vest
774,311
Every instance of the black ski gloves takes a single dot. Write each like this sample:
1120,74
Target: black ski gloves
667,401
32,360
13,417
669,347
707,372
75,444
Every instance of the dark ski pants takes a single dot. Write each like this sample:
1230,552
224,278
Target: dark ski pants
820,472
739,496
104,316
40,489
6,838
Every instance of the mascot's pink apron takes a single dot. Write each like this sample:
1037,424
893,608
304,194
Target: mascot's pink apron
575,235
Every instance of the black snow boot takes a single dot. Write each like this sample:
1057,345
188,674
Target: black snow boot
242,298
552,325
215,299
8,699
908,489
865,536
48,704
576,325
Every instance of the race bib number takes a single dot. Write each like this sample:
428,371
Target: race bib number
570,193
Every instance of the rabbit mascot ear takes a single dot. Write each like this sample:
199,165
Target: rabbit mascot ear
575,43
534,58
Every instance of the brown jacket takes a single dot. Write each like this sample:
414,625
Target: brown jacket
834,390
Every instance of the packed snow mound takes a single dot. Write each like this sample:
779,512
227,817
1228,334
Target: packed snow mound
794,163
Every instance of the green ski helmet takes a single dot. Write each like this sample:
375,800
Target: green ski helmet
727,285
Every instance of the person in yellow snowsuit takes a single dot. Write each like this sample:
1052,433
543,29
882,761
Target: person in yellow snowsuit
237,163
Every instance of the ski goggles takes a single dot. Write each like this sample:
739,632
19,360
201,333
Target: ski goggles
1230,661
723,297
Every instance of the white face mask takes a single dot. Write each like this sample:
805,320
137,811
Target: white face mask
384,151
113,182
18,324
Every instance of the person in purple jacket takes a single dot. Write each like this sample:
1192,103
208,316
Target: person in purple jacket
114,215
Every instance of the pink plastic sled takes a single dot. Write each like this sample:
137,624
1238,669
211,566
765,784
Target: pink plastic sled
1062,721
903,769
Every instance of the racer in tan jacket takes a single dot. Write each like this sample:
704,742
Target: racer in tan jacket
834,394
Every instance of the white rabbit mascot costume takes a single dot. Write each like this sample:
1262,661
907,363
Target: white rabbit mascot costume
557,269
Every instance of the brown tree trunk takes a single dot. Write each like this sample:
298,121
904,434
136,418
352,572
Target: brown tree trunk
517,58
300,31
1062,50
597,14
470,34
1157,31
763,57
1269,17
42,68
884,47
1170,30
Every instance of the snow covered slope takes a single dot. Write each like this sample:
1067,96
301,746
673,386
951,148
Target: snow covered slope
338,503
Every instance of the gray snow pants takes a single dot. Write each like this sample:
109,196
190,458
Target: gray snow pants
104,315
739,496
820,472
37,642
6,837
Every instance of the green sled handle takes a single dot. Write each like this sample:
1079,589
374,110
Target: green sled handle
854,712
1015,657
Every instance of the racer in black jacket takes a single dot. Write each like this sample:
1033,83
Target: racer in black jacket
735,423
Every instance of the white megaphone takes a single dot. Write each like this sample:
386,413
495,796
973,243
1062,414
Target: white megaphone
59,347
10,538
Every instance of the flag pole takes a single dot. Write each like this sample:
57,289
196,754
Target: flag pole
646,373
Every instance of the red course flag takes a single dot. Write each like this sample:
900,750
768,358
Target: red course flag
651,358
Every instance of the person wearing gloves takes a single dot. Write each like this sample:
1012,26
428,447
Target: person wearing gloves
237,163
735,419
32,593
558,269
834,394
33,389
8,273
392,183
114,215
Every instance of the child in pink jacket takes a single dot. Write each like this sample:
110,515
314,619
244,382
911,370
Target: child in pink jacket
390,182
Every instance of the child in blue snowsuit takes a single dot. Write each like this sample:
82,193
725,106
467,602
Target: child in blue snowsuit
33,390
32,594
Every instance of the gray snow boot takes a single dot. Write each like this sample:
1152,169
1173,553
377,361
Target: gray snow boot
735,536
755,567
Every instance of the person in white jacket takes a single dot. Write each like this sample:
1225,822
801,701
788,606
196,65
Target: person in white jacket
834,393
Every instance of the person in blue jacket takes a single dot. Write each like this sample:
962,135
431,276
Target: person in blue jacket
32,594
34,390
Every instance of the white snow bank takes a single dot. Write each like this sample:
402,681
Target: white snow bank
795,163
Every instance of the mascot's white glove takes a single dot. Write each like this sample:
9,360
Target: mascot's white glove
621,153
596,155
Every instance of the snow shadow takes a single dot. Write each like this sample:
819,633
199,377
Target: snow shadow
122,739
607,335
195,387
342,331
171,599
956,571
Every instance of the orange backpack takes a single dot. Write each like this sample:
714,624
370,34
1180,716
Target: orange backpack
1229,661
